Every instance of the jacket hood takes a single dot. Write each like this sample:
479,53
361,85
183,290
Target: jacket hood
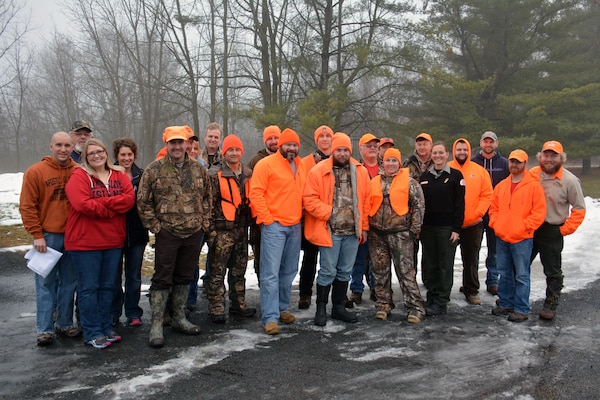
49,161
468,148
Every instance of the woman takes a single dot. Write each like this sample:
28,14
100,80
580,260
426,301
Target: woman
397,207
444,191
125,153
100,194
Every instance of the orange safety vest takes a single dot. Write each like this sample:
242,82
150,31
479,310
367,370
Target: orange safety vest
230,197
398,193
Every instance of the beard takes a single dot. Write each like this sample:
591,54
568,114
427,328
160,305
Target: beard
78,148
289,155
340,163
551,170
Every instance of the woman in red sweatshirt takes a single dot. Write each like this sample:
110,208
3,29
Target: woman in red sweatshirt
99,194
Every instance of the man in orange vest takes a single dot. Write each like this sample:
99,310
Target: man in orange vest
337,198
478,197
228,243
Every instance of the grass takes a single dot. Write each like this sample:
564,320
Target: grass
589,183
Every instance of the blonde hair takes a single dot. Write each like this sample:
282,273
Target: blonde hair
84,161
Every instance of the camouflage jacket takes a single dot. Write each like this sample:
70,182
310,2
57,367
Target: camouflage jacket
176,199
243,216
416,167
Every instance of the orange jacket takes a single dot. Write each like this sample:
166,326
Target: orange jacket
478,187
515,216
276,192
565,204
318,200
43,203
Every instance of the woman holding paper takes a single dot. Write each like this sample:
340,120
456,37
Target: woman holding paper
100,194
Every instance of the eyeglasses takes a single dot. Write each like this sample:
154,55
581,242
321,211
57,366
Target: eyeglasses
370,145
82,133
96,153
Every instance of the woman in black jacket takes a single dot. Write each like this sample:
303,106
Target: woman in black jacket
444,191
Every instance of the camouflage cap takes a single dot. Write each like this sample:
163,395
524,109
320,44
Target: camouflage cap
80,124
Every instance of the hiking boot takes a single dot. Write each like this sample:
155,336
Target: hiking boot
271,328
348,303
113,337
99,343
286,317
501,311
436,309
72,331
547,313
413,317
517,317
381,315
356,298
45,339
493,290
304,302
473,299
218,318
244,312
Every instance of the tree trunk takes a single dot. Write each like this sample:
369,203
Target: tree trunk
586,166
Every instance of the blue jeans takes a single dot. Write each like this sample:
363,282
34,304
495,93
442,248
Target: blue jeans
131,263
513,265
97,272
337,260
360,268
491,278
280,253
56,291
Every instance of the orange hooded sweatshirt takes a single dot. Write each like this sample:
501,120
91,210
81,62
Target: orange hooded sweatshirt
318,200
276,192
515,216
478,187
43,203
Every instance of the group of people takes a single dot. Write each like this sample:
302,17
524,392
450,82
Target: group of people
353,218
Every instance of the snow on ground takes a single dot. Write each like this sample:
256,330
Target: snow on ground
579,267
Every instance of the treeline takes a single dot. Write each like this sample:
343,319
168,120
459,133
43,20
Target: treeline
526,69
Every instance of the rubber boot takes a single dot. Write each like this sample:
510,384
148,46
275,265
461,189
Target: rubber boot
553,290
179,296
322,297
158,304
167,320
338,297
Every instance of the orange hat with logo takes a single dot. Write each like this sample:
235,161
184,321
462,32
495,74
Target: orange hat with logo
518,155
323,129
554,146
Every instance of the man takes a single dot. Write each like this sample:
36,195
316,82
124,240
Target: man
80,134
174,202
384,144
565,210
44,208
478,197
418,163
337,200
276,197
420,160
367,147
228,243
271,139
212,140
308,269
497,166
518,209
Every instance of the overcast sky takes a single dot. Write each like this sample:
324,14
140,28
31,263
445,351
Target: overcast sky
45,15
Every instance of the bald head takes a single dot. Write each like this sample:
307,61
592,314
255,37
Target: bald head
61,146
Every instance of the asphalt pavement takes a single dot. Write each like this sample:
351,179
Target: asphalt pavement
466,354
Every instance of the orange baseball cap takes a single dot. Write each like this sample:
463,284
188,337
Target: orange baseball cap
518,155
366,138
385,140
424,136
554,146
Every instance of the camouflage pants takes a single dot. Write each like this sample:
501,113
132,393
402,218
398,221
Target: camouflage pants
228,251
397,248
